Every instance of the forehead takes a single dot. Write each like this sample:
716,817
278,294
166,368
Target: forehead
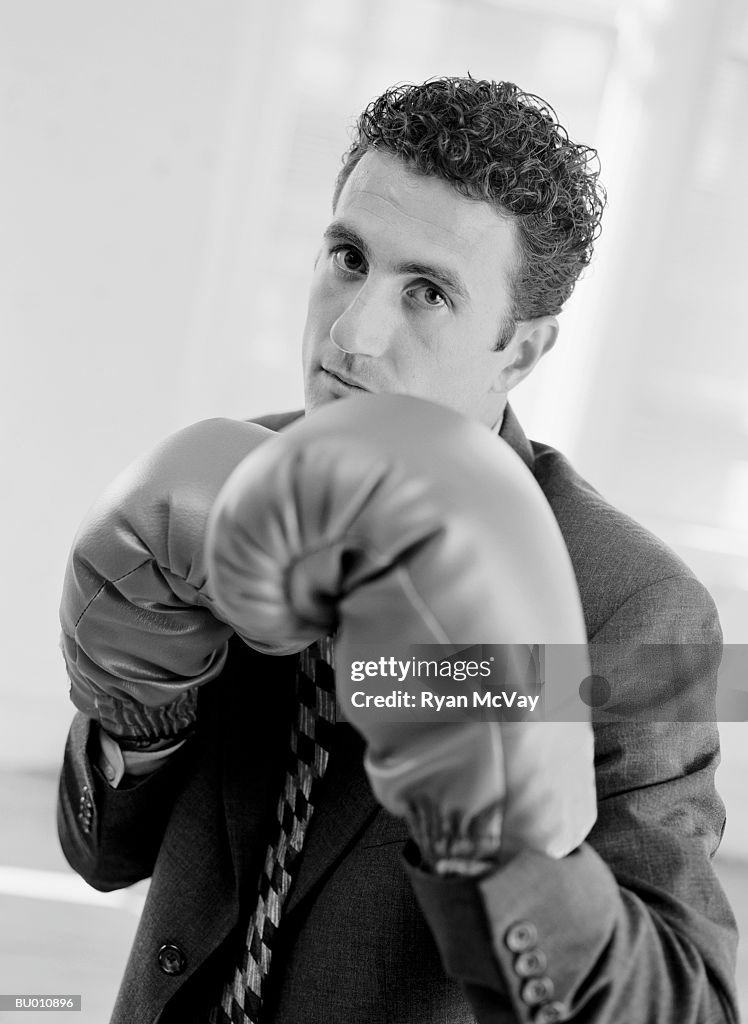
422,216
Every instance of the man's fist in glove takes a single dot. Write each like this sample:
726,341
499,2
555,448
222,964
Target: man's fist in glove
139,632
399,522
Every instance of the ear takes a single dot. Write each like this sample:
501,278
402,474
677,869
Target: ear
529,343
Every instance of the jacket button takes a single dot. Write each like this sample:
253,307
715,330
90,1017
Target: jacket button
550,1013
521,936
537,990
85,811
171,959
530,963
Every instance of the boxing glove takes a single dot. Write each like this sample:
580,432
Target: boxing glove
397,523
139,628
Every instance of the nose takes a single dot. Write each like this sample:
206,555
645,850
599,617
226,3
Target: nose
366,325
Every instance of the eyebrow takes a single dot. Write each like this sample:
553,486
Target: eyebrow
448,279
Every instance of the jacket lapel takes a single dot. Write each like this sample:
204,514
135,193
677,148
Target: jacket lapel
255,732
345,806
514,435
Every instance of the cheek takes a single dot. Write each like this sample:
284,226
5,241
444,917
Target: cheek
460,371
427,367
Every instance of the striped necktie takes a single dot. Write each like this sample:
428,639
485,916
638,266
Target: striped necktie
311,740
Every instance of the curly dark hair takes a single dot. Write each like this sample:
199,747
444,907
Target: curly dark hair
495,143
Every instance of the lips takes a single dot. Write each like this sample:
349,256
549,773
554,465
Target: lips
340,378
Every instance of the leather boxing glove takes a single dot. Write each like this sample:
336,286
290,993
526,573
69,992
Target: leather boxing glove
400,523
139,629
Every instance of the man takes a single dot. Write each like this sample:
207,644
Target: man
462,218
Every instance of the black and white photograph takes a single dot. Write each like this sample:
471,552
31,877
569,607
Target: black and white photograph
375,504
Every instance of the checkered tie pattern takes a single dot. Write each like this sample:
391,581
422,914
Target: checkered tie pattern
311,739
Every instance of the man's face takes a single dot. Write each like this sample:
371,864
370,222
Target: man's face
410,293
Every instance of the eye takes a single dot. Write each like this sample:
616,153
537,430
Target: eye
427,295
348,259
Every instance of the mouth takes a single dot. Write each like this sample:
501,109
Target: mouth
342,383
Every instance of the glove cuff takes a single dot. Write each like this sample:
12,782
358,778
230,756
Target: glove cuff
451,838
136,727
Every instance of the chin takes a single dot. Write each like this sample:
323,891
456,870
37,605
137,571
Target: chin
317,396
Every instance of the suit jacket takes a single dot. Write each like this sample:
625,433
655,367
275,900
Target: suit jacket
633,926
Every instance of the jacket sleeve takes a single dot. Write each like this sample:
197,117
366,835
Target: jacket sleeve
633,925
111,837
